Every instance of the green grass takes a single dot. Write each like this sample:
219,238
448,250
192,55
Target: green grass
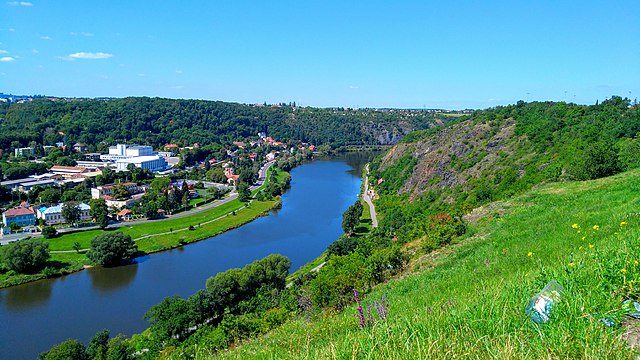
468,300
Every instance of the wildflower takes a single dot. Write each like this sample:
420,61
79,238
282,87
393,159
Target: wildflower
526,275
363,321
575,226
635,262
584,237
623,223
529,254
623,270
572,264
590,246
596,227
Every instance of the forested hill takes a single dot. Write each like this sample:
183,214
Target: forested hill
495,153
156,122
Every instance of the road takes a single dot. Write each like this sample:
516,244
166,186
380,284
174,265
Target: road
367,199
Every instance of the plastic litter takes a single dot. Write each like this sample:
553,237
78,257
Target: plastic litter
631,308
540,306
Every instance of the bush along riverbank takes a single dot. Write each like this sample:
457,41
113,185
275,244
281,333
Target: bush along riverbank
68,253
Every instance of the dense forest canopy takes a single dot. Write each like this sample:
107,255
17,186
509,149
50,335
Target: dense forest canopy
156,122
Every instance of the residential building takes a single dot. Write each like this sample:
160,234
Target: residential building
23,215
124,215
107,190
80,147
25,151
53,215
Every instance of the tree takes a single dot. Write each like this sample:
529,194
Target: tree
71,349
185,199
77,247
49,232
71,212
150,210
351,217
100,212
120,192
50,196
97,348
244,194
26,256
112,249
170,318
118,348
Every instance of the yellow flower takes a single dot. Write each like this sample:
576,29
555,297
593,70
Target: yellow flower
575,226
590,246
635,262
572,264
527,274
584,237
623,223
529,254
623,270
596,227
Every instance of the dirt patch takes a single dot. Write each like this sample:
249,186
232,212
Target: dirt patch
632,333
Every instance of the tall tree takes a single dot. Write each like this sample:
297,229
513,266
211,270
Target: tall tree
100,212
71,212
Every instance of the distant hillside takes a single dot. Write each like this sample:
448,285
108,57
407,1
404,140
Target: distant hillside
156,122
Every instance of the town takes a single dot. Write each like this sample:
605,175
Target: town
126,182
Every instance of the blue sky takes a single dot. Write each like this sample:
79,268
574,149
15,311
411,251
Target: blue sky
434,54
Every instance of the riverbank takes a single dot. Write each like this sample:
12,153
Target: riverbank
153,236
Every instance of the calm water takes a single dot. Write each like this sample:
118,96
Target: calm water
36,316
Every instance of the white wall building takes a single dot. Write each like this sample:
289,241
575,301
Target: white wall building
53,215
124,151
151,162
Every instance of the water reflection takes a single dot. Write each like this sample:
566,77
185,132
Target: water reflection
27,296
107,280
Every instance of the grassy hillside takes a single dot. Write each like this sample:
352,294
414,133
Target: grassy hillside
468,300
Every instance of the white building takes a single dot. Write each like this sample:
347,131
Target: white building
124,151
53,215
151,162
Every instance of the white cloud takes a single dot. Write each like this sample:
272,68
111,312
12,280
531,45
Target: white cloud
12,29
179,87
46,38
141,74
81,33
35,51
21,3
7,59
178,71
354,87
90,55
4,52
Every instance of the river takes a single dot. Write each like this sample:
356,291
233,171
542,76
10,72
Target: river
36,316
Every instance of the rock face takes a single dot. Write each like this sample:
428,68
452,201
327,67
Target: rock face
454,155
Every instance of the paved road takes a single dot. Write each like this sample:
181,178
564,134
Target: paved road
367,199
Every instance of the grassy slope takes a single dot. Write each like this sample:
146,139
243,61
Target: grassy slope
467,300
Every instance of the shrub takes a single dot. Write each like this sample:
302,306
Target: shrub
49,232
